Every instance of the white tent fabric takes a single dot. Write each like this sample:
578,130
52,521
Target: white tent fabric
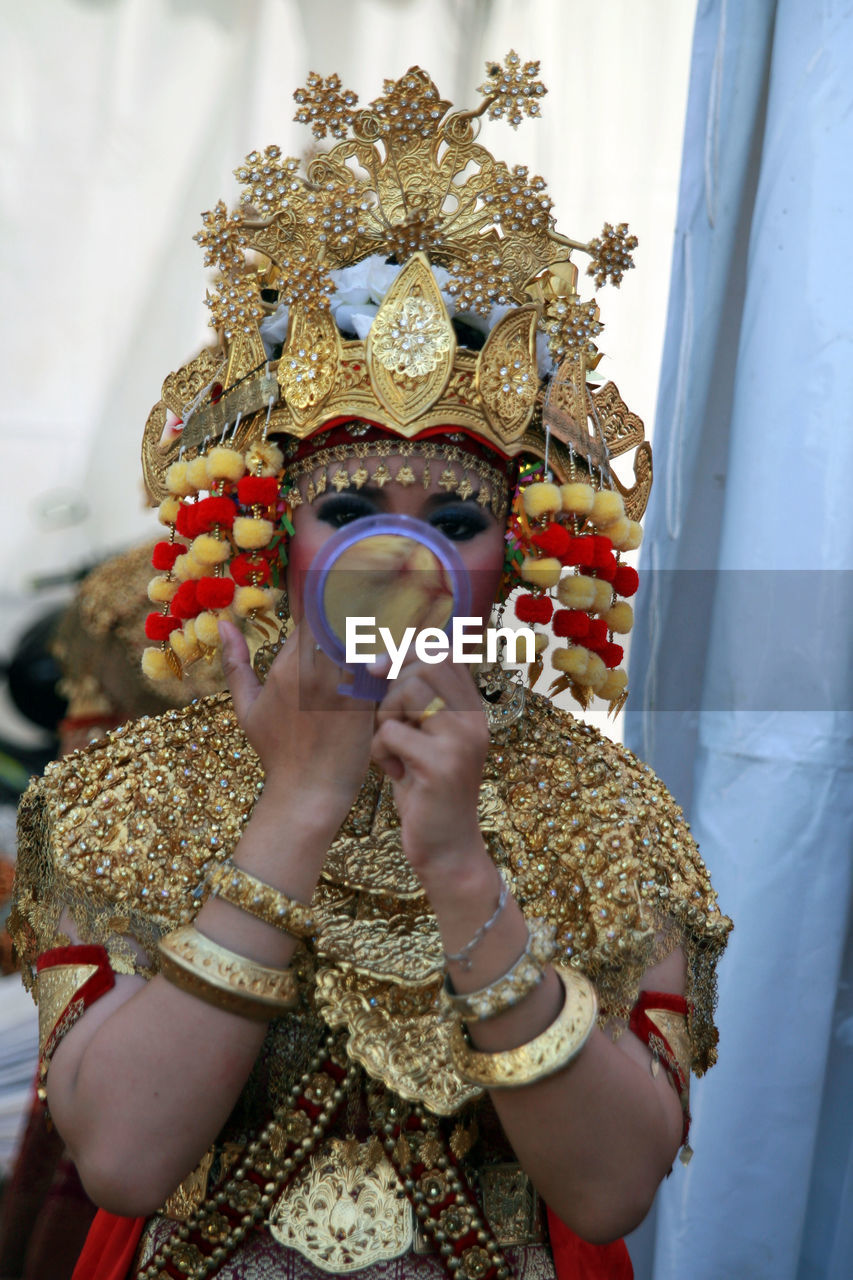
743,637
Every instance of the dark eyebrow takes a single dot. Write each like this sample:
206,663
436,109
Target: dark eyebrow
445,499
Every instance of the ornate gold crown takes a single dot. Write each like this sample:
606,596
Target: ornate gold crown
409,182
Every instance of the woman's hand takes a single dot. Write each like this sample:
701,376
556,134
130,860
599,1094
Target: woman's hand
435,761
313,742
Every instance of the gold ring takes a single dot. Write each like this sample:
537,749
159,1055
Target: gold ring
432,708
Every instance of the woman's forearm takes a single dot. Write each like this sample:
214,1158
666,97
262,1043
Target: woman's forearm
143,1084
597,1137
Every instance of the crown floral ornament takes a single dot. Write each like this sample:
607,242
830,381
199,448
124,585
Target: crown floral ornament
348,290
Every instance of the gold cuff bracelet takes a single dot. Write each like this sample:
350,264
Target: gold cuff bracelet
222,978
270,905
546,1054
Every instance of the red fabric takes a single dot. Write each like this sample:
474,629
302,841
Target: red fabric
643,1028
576,1259
110,1247
335,431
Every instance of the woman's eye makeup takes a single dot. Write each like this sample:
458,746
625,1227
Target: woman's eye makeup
460,523
343,509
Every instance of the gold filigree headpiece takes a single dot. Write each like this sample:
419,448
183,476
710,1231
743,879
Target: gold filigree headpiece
409,181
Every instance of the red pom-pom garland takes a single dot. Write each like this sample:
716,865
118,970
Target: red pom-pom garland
165,554
553,541
215,593
185,521
580,551
257,491
625,580
571,624
250,570
159,626
213,512
581,541
185,601
534,609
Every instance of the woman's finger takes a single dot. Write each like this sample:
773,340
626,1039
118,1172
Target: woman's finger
407,699
237,666
399,747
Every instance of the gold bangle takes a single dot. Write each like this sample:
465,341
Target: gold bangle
222,978
516,983
270,905
541,1057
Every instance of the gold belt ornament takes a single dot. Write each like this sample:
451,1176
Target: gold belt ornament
343,1215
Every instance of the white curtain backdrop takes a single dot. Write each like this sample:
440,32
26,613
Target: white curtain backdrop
743,643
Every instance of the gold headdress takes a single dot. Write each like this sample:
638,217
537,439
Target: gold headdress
467,239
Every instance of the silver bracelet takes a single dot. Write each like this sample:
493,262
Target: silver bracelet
512,987
462,957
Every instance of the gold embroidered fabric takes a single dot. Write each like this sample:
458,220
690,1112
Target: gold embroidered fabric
123,834
262,1258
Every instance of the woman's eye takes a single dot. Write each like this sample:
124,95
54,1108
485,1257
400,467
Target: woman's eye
460,524
338,512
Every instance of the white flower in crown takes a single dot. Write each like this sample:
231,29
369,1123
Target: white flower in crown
359,293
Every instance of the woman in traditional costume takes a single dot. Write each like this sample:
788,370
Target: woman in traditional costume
400,988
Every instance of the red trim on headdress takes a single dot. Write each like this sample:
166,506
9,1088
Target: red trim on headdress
336,432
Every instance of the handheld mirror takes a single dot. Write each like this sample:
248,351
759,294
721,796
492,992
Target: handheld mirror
397,572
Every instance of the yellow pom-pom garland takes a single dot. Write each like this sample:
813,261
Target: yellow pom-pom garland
225,464
167,512
620,618
197,473
207,549
185,644
249,600
155,664
607,507
162,588
577,498
576,592
251,534
541,499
